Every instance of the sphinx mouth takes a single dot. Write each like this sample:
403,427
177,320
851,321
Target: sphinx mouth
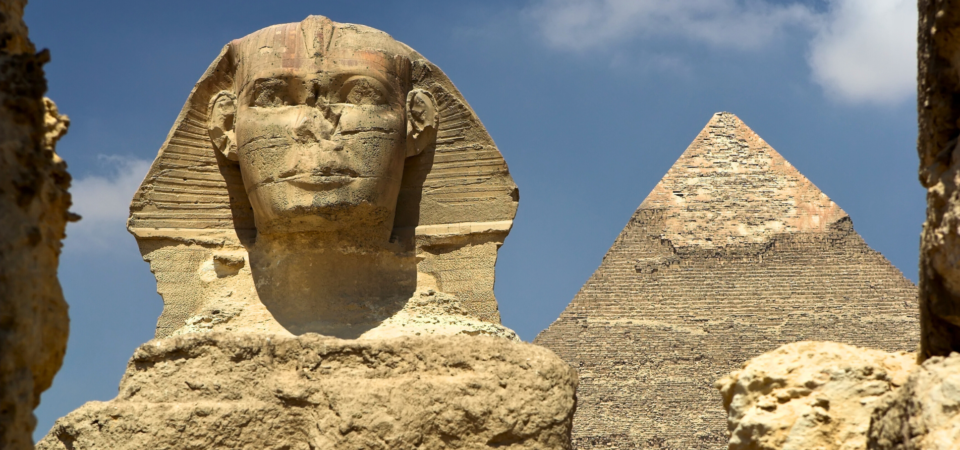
322,179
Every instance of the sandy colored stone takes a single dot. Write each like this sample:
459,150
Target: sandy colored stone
253,391
925,413
319,177
937,146
33,216
426,313
733,254
809,395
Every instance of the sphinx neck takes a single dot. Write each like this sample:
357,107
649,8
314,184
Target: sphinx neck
324,284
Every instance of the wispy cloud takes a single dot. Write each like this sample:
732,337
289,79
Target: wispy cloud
860,51
581,25
865,51
104,203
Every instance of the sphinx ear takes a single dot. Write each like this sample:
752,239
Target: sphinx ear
422,121
220,127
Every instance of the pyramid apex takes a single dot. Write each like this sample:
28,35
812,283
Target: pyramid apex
731,187
727,114
725,118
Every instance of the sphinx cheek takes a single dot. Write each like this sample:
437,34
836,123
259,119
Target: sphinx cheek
374,137
264,144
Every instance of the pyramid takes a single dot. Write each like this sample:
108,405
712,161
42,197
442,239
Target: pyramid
732,254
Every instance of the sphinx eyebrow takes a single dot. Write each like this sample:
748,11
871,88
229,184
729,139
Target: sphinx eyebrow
257,81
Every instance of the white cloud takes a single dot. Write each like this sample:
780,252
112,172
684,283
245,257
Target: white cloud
861,51
104,204
581,25
866,50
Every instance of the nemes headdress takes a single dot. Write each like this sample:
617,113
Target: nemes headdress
193,221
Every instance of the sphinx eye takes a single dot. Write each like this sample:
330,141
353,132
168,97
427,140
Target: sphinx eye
270,93
363,91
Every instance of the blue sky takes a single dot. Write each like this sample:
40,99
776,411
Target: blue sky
590,102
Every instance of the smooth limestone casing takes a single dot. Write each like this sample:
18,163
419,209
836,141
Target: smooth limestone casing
732,254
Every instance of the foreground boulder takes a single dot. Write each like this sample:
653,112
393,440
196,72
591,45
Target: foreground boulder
249,391
810,395
925,413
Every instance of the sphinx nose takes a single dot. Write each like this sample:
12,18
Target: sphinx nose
315,124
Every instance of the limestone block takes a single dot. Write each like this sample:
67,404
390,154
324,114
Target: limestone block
254,391
925,413
33,215
809,395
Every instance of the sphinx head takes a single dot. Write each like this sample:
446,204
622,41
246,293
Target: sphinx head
320,118
326,139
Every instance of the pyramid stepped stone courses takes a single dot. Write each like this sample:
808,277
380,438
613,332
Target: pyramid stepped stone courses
733,254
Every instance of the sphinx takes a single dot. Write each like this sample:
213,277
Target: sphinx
323,177
323,222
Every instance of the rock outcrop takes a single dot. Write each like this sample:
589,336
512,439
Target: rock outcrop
810,395
925,413
937,146
733,254
33,216
253,391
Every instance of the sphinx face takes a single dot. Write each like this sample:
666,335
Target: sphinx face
321,144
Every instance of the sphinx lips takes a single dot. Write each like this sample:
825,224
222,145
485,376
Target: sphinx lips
322,180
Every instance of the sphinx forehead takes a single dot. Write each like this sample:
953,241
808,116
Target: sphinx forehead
302,45
316,36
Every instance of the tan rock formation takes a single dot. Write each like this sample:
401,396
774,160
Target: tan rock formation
937,146
733,254
246,391
810,395
319,176
925,413
33,216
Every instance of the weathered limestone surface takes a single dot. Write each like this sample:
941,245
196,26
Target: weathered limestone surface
810,395
33,216
251,391
325,181
937,145
319,176
733,254
925,413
